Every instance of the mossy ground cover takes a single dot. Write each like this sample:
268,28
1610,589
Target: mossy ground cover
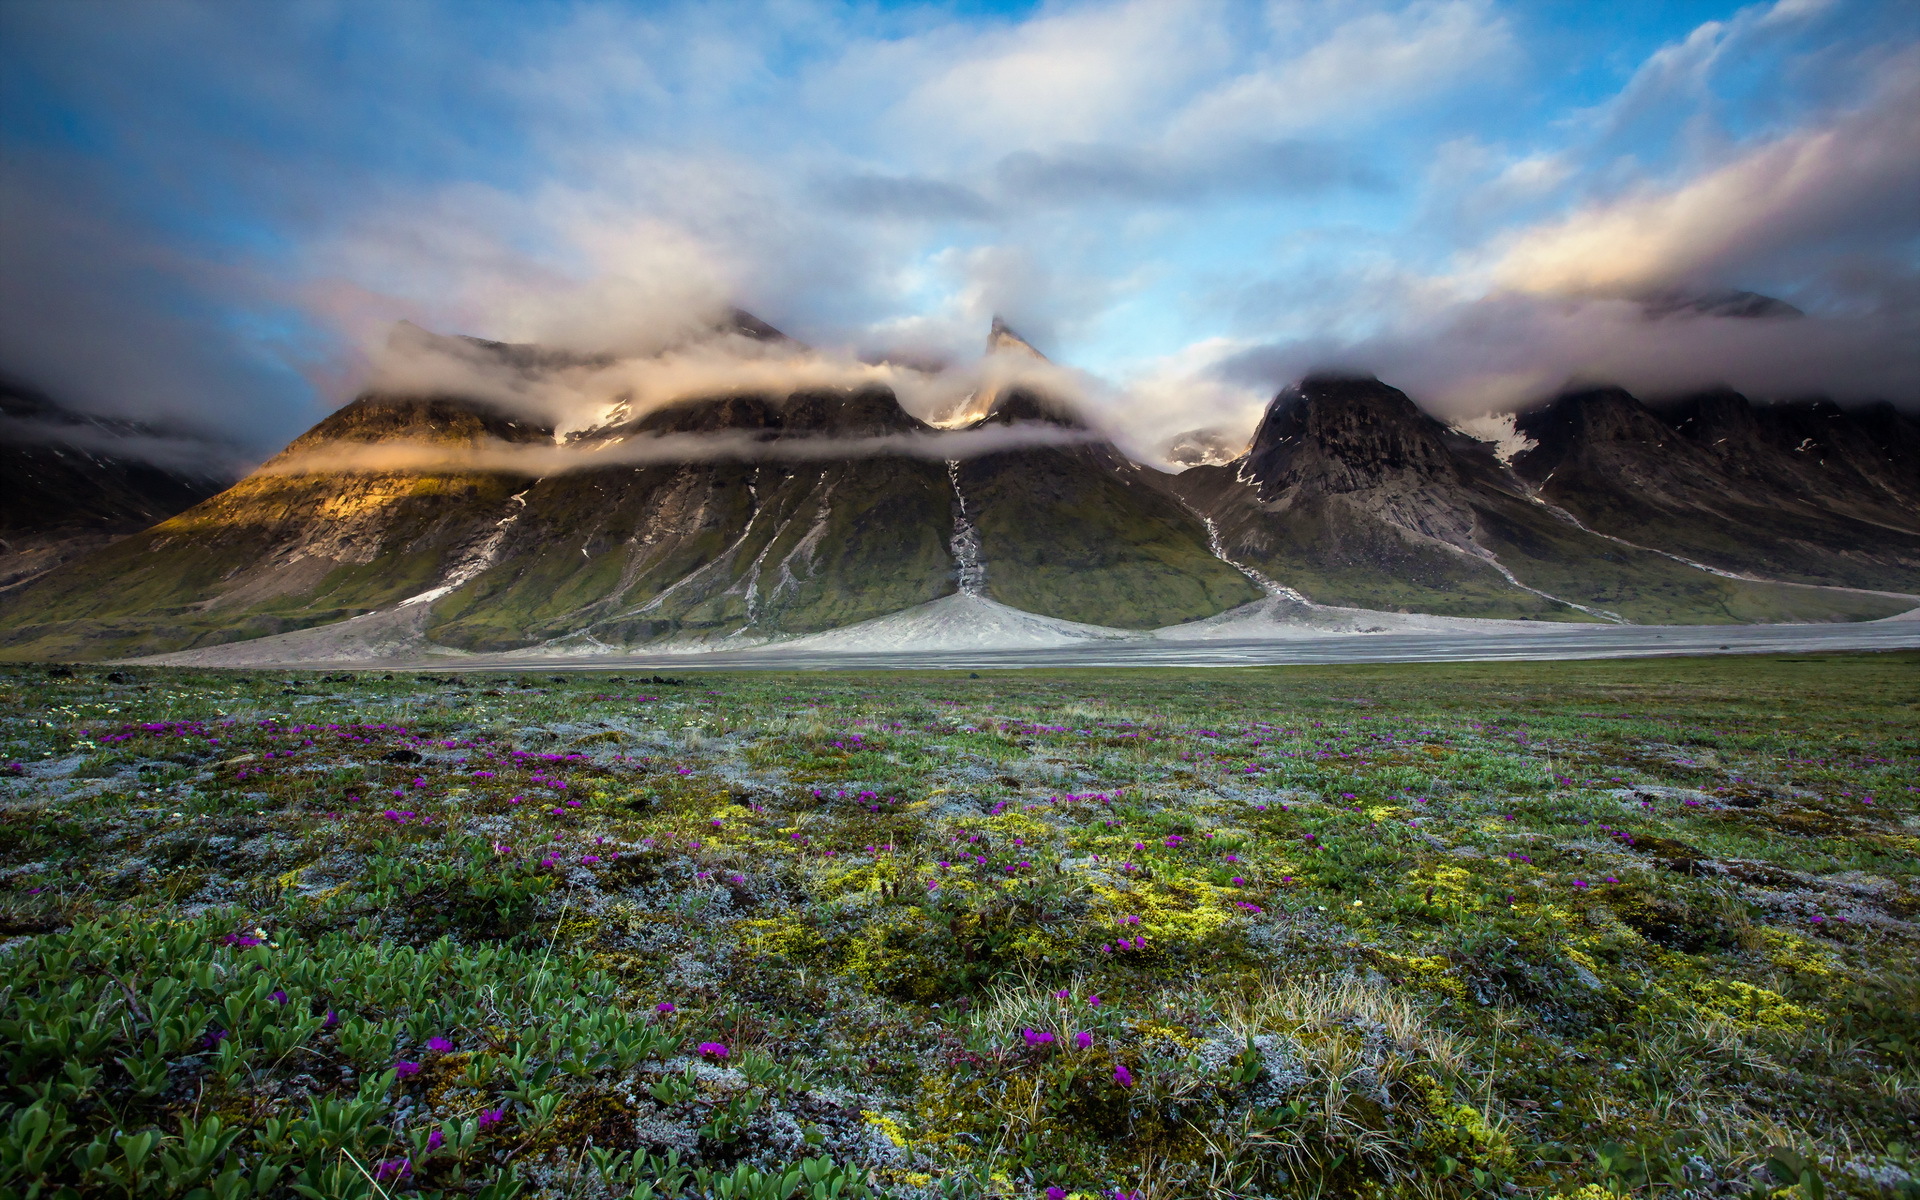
1434,930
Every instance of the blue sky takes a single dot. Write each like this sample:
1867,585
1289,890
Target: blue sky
213,212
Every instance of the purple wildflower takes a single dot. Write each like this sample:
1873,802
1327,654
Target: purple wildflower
492,1116
439,1045
1083,1040
406,1069
1122,1076
712,1049
394,1168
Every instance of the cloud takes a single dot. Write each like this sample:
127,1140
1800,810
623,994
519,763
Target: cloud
1082,173
538,461
1854,179
904,198
573,394
1073,74
1375,61
1512,350
188,455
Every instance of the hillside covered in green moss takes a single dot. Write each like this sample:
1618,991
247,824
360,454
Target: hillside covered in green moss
1554,931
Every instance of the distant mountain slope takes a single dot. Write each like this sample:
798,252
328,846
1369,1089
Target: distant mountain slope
71,483
1352,496
625,555
283,549
410,521
1796,492
1082,533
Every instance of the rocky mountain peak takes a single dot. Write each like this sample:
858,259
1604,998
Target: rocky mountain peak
866,412
1579,421
1726,302
1342,433
1002,339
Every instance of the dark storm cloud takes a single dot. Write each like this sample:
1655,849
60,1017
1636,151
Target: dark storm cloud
1511,350
1094,173
903,197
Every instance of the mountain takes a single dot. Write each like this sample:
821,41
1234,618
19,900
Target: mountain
426,515
622,555
1806,493
1352,496
1080,532
512,557
284,548
71,483
1203,448
1728,303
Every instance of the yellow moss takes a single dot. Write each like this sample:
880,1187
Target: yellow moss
1590,1191
1461,1131
1150,1031
1748,1006
882,956
1791,952
887,1125
1450,884
1014,824
1435,972
782,936
1181,911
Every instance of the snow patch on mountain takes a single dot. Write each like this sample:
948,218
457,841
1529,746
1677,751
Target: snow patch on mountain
1499,429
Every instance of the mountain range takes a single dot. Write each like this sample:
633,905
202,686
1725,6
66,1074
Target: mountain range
72,483
467,525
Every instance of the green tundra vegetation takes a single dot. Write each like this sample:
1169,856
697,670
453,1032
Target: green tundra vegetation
1545,930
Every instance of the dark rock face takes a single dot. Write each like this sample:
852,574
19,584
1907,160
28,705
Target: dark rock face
1351,495
1801,492
1735,304
71,484
868,412
1340,435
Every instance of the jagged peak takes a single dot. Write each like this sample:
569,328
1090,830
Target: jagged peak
744,323
1605,412
1725,302
1025,404
1002,339
1343,432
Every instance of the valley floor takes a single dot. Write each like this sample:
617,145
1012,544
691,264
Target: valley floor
1568,929
959,632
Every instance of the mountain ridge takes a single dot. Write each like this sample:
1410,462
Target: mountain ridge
1348,497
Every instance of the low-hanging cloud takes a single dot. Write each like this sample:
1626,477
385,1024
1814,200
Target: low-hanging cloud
539,460
1512,350
576,393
